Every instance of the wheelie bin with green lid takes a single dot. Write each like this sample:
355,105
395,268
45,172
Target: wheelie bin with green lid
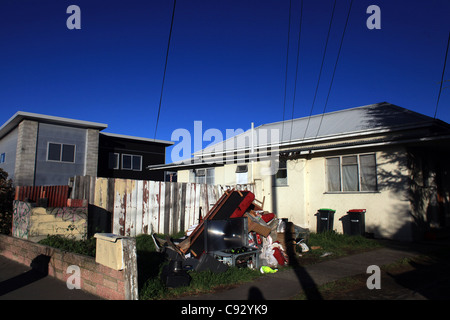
325,219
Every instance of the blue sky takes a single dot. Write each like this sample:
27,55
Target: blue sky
226,64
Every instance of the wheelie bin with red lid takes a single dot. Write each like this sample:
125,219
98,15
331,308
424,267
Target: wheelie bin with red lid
357,221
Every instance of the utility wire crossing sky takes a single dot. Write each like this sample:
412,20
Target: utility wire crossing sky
146,69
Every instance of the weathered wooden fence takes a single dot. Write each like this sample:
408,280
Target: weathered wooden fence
141,206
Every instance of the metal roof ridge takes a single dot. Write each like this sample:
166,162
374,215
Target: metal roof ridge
332,112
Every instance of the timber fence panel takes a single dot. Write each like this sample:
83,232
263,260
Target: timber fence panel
146,207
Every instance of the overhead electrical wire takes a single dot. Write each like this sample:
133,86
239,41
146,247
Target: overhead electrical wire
321,68
165,66
296,68
335,66
442,77
287,64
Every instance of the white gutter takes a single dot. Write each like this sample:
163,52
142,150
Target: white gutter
310,140
386,143
303,151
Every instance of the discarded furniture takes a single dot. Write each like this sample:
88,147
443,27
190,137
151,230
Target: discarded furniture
236,232
232,204
227,241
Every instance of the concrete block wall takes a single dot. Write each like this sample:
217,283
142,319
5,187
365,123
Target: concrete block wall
26,153
91,162
95,278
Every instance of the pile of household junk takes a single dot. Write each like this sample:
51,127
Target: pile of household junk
236,232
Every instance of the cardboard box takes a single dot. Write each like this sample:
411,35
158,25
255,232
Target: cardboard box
258,228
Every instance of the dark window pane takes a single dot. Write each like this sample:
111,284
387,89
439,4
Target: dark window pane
68,153
126,162
281,175
241,169
137,163
54,152
113,161
200,172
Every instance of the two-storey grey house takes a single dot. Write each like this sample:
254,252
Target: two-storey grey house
39,150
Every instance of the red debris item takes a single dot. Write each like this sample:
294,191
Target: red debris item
232,201
279,256
244,205
268,217
258,239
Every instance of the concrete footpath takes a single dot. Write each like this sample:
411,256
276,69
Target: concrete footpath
19,282
286,284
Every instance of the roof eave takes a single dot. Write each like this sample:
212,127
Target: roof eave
193,163
19,116
122,136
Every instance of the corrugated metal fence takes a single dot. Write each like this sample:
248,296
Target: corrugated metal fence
141,206
57,195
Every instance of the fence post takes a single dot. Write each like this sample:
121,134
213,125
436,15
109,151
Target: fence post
130,261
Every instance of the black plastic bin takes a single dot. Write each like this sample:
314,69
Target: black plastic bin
325,220
357,221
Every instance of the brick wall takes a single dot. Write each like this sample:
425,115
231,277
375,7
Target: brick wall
95,278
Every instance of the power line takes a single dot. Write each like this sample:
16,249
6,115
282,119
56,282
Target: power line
442,78
296,68
335,66
165,66
287,63
321,68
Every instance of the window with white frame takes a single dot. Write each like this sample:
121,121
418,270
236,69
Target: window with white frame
242,174
205,175
131,162
352,173
61,152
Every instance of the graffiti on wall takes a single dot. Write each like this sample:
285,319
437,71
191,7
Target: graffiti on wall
34,223
21,219
69,214
74,221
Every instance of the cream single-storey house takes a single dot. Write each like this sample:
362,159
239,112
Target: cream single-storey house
388,160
